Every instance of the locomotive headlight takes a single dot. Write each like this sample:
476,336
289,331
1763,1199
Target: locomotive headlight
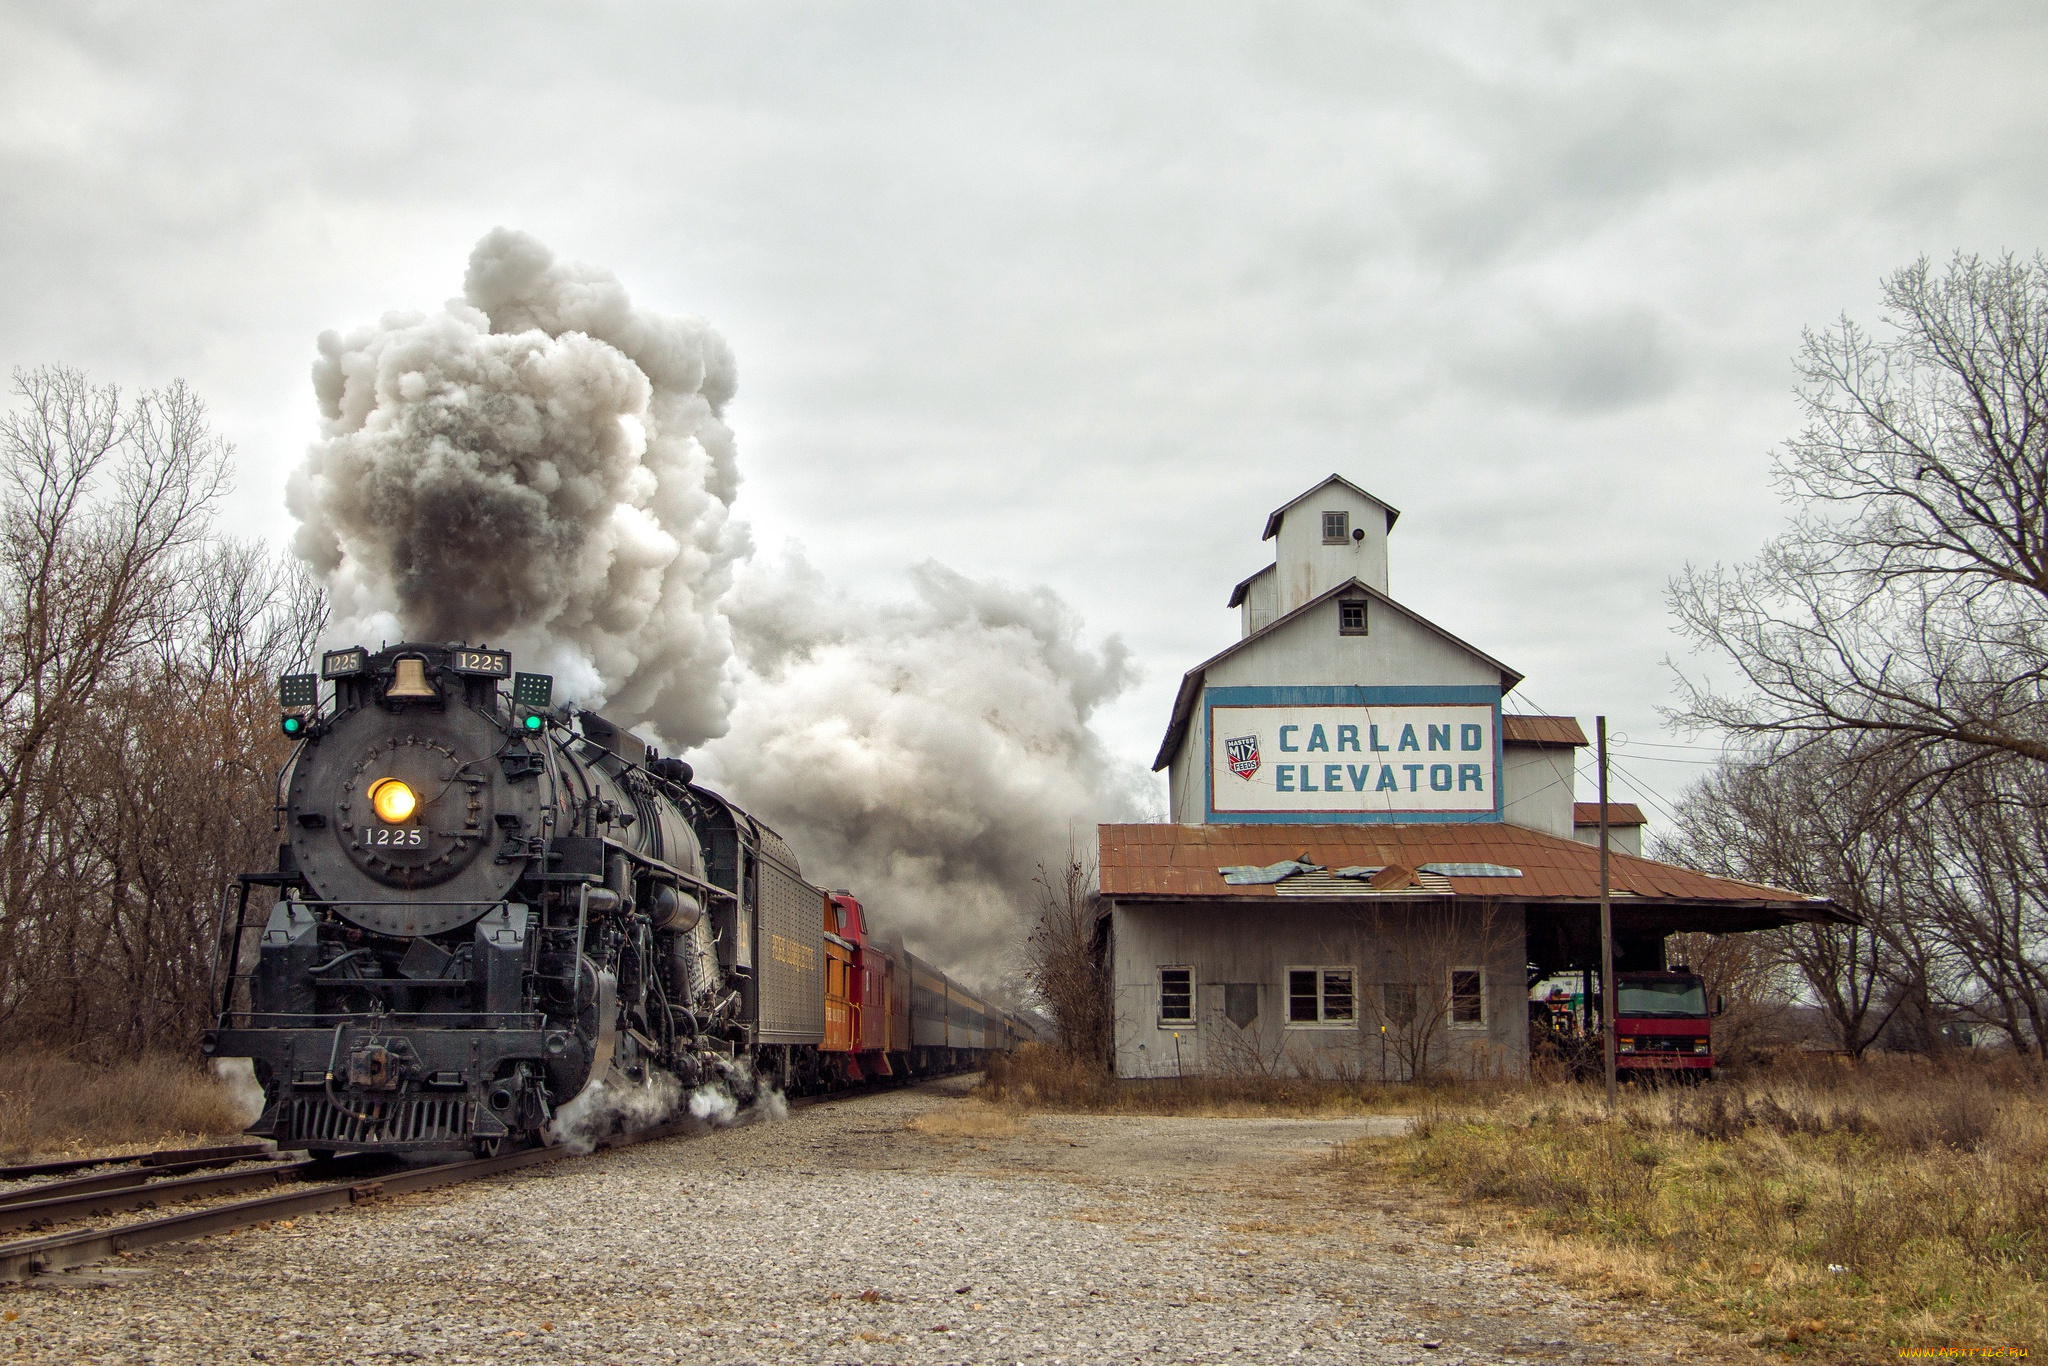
393,801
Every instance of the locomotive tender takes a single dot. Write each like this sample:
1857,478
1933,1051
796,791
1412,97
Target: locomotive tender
486,905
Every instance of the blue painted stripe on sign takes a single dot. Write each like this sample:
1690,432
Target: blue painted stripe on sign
1325,695
1353,818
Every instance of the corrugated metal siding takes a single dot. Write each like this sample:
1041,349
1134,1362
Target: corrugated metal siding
899,1001
967,1022
928,1002
789,954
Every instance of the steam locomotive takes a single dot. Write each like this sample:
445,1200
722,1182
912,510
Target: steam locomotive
487,906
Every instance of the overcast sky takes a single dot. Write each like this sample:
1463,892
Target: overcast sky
1076,294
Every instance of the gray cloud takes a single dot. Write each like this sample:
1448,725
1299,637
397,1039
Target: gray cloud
1577,365
1063,294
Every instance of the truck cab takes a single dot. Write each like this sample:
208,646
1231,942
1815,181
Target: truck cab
1662,1024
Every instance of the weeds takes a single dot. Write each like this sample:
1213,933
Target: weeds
1832,1212
51,1104
1041,1078
968,1119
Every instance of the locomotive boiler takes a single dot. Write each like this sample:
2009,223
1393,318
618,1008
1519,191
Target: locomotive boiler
487,906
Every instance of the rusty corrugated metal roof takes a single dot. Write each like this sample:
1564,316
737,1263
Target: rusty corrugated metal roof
1184,861
1618,813
1541,730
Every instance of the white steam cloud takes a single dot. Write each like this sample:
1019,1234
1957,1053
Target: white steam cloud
616,1104
539,465
543,466
929,753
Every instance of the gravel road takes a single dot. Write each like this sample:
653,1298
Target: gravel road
842,1234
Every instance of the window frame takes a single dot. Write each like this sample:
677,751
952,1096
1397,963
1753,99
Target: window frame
1176,1021
1364,626
1343,536
1451,982
1323,973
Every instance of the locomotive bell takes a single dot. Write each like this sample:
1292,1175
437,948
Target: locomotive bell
411,679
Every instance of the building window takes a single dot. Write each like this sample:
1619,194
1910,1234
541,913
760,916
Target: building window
1336,528
1176,995
1468,996
1351,618
1320,996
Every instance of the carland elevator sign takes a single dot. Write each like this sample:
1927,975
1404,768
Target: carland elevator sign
1322,755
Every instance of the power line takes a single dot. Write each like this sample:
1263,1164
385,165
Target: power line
1660,759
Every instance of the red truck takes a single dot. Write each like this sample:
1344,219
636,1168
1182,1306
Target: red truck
1662,1024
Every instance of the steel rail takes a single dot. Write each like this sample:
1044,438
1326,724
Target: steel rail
60,1251
232,1152
119,1179
63,1208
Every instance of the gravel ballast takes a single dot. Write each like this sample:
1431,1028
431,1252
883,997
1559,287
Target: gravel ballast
842,1235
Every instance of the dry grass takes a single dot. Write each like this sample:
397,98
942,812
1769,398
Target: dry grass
53,1106
969,1119
1833,1213
1040,1078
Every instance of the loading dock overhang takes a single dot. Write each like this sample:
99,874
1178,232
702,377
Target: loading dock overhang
1555,882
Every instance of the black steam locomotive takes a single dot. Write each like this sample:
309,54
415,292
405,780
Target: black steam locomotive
486,905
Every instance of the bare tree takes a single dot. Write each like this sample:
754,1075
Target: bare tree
138,743
1815,821
1410,1014
1986,903
1905,606
1748,975
1065,960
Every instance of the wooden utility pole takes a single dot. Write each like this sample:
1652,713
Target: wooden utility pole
1607,1043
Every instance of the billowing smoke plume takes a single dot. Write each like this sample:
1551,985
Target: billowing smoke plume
542,466
538,465
929,753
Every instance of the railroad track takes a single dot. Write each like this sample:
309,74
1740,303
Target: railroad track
186,1159
312,1189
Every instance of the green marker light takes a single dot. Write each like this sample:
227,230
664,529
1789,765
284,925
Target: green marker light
534,722
294,726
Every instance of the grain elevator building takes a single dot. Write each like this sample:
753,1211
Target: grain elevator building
1368,854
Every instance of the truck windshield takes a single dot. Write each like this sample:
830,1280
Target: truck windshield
1659,998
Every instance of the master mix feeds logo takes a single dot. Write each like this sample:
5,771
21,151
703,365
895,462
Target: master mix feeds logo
1244,755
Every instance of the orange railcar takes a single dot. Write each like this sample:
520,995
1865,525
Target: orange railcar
858,983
